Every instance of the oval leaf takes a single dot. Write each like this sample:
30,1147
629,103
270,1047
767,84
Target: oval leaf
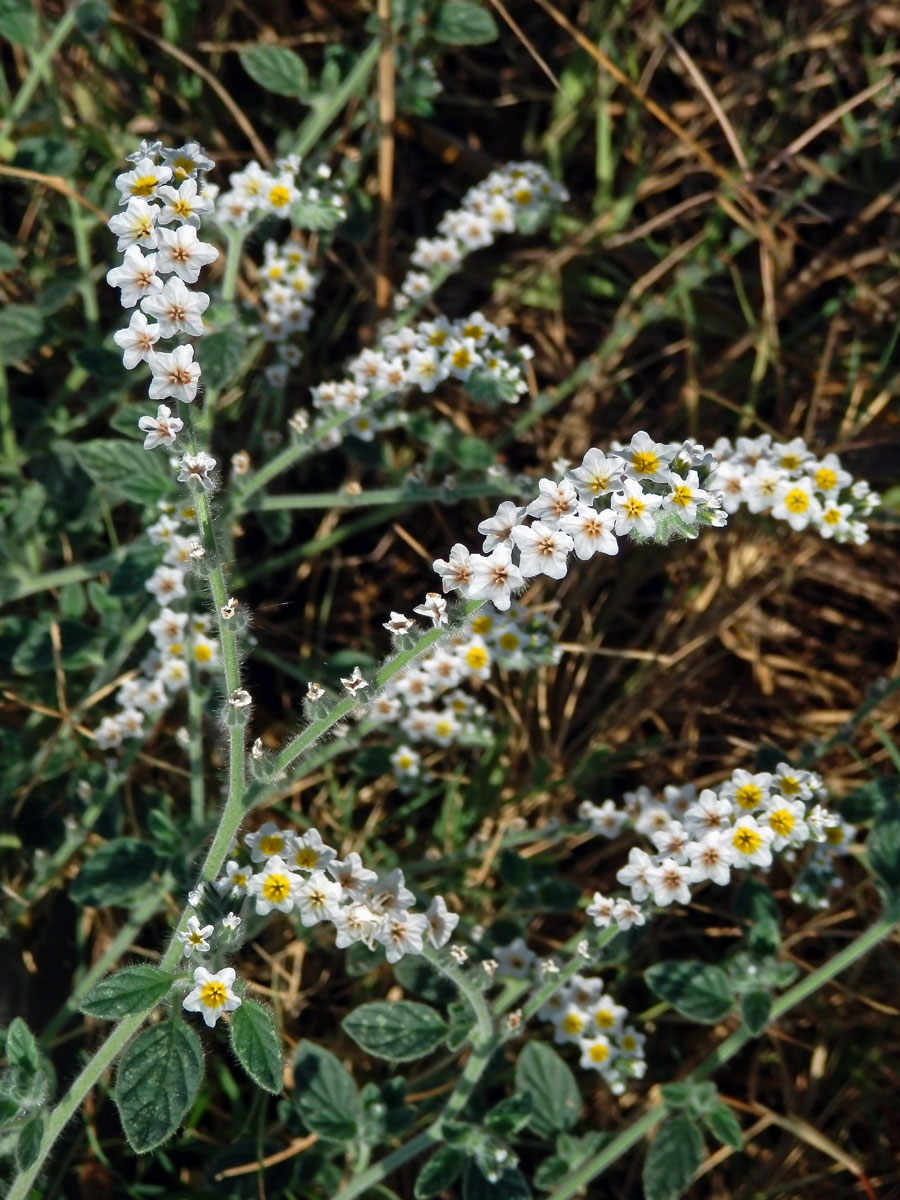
509,1185
723,1125
694,989
131,990
555,1098
255,1042
29,1143
439,1172
325,1095
400,1030
883,849
674,1155
113,872
755,1009
461,23
158,1079
277,69
124,469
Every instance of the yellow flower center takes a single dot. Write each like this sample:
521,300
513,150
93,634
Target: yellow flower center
437,337
790,462
306,857
599,1052
522,196
789,785
628,1042
404,762
572,1023
633,507
796,501
834,835
681,495
482,624
476,657
461,358
747,841
195,938
144,185
202,652
473,331
182,207
273,843
748,795
826,479
276,888
239,879
443,729
212,994
645,462
604,1018
782,821
183,166
279,196
275,272
509,641
831,516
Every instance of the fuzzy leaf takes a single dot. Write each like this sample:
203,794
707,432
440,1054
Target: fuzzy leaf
755,1009
674,1155
441,1170
158,1079
124,469
325,1095
694,989
255,1042
723,1125
546,1078
131,990
462,23
401,1030
277,69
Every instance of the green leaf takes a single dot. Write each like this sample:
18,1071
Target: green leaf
764,938
510,1115
81,645
674,1155
441,1170
22,1051
29,1142
113,872
883,849
694,989
325,1095
18,22
755,1009
9,260
552,1171
20,329
315,215
677,1095
158,1079
555,1098
723,1125
125,469
869,799
91,16
461,23
131,990
277,69
510,1185
220,354
401,1030
255,1042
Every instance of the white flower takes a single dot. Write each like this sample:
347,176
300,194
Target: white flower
596,1052
786,820
634,874
498,527
570,1023
355,923
542,550
514,961
745,790
794,502
268,840
355,682
161,429
728,481
196,468
670,841
355,879
136,226
276,886
647,459
310,852
231,923
402,934
174,374
596,476
212,994
461,357
406,763
187,159
456,571
136,340
752,843
177,309
181,251
388,894
601,910
711,857
669,882
235,881
143,181
398,623
494,578
591,531
710,812
609,1017
318,898
194,937
684,497
441,922
626,914
556,500
166,583
184,204
136,276
633,508
834,520
109,734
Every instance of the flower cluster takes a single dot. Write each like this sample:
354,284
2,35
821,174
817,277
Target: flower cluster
582,1014
177,634
163,219
279,870
254,193
647,490
287,286
516,196
788,481
741,824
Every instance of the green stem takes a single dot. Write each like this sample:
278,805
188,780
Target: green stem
304,447
466,987
38,67
578,1179
375,496
195,731
326,109
83,255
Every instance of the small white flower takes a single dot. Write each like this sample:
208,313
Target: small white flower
398,623
795,503
591,531
626,914
184,204
235,881
181,251
711,857
136,226
240,698
647,459
434,607
669,882
318,898
166,583
212,994
556,500
276,886
177,309
456,571
314,693
406,763
460,953
634,508
143,181
402,934
635,874
175,374
196,468
355,880
441,922
542,550
515,961
136,277
355,682
601,910
161,429
498,527
596,476
231,923
268,840
752,843
493,578
194,937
